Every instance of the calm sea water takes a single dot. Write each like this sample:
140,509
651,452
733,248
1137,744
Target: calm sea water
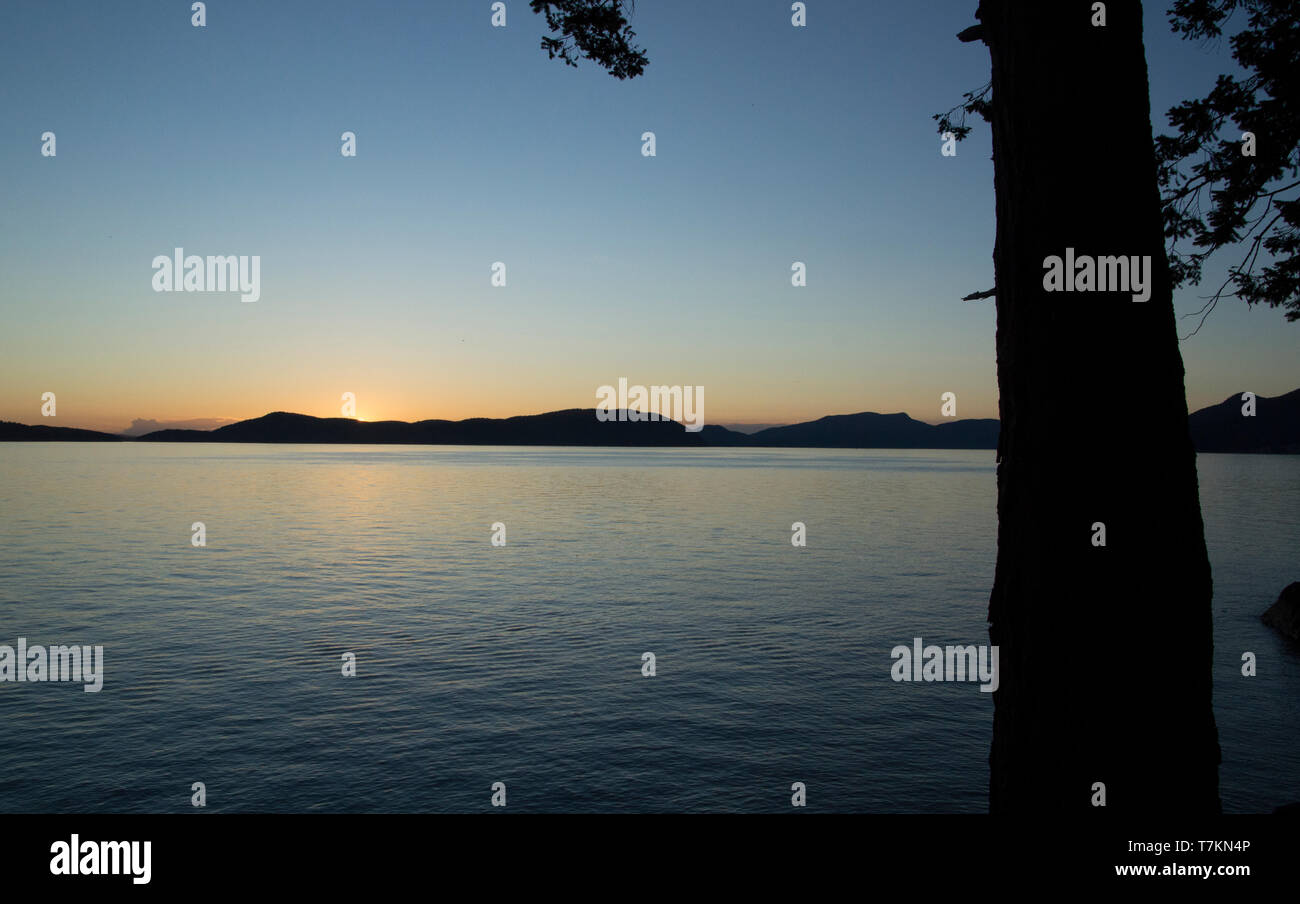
522,663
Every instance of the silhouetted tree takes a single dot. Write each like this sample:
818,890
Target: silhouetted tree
595,29
1245,177
1105,650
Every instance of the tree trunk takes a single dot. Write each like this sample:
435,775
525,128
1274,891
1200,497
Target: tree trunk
1105,651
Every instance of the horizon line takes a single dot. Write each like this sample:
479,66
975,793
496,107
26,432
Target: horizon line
729,425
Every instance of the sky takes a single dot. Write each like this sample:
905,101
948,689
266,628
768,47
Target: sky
774,144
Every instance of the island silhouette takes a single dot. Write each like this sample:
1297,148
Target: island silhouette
1273,428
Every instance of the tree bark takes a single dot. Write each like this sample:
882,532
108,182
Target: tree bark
1105,651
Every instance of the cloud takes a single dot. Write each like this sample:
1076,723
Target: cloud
140,426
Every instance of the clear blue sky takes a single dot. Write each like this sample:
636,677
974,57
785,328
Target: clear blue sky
775,144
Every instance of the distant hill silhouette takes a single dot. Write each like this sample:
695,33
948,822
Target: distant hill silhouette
12,432
881,431
140,426
574,427
1219,428
1274,428
579,427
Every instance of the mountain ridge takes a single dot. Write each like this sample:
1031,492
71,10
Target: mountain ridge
1275,428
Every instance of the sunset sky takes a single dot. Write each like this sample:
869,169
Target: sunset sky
774,145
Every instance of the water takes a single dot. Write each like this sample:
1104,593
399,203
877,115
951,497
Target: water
522,663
